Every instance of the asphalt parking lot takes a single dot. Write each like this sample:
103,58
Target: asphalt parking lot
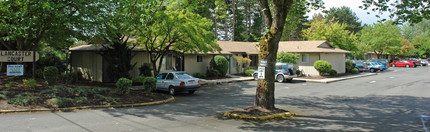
390,101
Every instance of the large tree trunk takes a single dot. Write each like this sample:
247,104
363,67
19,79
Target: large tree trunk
248,20
233,20
265,92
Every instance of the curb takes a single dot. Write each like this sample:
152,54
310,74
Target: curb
258,118
171,99
334,80
205,83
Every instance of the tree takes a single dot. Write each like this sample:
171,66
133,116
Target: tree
419,35
274,19
344,15
413,11
285,57
381,38
334,32
171,28
24,24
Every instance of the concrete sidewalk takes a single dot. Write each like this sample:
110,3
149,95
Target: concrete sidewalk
329,80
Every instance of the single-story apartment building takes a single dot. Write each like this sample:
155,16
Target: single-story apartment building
85,58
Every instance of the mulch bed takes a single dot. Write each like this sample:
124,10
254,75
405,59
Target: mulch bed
135,96
256,111
324,77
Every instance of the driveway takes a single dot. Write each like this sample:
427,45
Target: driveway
389,101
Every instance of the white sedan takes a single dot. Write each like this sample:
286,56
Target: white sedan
177,81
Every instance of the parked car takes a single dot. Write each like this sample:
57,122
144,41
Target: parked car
380,61
424,62
284,72
414,61
373,67
402,63
383,66
360,65
177,81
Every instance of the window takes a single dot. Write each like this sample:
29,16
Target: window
169,77
162,76
305,57
199,58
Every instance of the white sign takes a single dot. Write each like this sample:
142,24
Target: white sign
263,63
17,56
261,72
15,70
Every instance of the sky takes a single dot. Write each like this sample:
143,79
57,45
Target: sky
354,6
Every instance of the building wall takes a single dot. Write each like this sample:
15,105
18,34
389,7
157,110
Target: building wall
191,65
336,60
139,59
89,64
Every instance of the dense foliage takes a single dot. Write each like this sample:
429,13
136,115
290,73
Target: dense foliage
285,57
123,85
51,74
322,67
219,63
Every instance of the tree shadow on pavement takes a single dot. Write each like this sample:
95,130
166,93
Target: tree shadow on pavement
339,113
207,101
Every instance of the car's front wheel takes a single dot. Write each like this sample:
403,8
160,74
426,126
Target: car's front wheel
372,70
172,90
393,65
407,66
280,78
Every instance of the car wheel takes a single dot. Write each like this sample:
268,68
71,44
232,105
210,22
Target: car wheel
255,76
172,90
280,78
393,65
407,66
191,91
372,70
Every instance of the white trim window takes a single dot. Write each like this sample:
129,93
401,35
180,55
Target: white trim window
305,58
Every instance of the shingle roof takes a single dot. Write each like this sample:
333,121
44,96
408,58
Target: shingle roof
230,47
319,46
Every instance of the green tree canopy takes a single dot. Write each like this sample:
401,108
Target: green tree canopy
334,32
24,23
285,57
382,38
344,15
413,11
174,29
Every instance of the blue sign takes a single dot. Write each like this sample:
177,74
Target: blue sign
15,70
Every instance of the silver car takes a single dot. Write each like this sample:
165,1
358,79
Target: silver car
177,81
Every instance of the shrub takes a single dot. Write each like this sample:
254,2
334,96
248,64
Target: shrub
285,57
50,57
50,74
199,75
105,99
2,96
322,66
101,90
150,84
355,71
298,72
23,99
123,85
220,63
332,72
10,84
73,77
80,100
249,72
138,80
59,102
349,66
213,73
30,83
145,70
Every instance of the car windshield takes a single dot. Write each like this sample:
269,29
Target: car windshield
183,76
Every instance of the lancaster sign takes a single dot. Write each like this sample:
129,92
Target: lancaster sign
17,56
